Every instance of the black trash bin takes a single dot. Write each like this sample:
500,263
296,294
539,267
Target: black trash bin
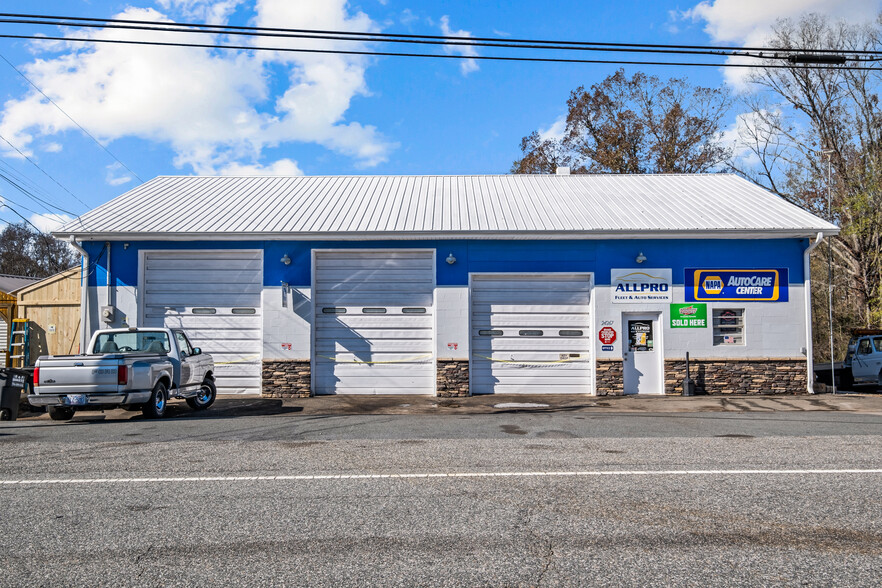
12,383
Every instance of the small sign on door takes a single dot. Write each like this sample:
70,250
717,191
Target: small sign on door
640,335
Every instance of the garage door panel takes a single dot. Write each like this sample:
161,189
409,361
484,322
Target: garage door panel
384,346
537,286
198,286
223,319
366,262
529,297
374,287
390,383
367,321
206,299
178,282
342,276
502,388
401,342
517,344
537,379
512,328
484,308
510,346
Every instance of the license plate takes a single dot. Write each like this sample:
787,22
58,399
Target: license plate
75,399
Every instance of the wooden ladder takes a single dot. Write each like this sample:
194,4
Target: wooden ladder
19,343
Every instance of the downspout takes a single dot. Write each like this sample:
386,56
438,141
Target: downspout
84,295
807,276
107,246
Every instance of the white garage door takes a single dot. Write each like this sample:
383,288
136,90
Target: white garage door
374,322
531,334
215,297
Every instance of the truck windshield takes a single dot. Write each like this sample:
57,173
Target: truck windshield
132,342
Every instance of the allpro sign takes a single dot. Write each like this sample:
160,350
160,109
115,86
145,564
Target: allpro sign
747,285
640,285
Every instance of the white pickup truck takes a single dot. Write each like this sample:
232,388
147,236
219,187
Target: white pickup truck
130,368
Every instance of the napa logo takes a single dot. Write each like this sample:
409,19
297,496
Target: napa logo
712,284
756,285
638,285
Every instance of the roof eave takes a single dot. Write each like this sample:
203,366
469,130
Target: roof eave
789,233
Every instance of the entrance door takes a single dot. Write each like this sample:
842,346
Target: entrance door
642,354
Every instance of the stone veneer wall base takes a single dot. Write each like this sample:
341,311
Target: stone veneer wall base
764,376
286,378
452,378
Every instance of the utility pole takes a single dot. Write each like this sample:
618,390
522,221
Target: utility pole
829,154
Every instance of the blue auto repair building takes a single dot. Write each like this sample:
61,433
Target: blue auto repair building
461,285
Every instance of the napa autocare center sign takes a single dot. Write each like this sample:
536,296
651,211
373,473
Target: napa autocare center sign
746,285
640,285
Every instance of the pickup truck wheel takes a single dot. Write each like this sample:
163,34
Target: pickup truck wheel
155,407
206,396
60,413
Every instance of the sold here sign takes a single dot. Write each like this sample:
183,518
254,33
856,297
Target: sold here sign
689,316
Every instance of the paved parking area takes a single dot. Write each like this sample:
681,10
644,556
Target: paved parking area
492,404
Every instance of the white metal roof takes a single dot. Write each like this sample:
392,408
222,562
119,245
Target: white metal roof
407,207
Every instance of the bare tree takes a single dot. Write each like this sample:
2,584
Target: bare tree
634,125
27,252
802,116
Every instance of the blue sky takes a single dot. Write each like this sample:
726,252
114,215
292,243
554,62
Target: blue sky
194,111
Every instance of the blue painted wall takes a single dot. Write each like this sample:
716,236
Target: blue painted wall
487,256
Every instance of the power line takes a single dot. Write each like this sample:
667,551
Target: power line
434,56
18,181
46,204
88,134
45,173
387,37
157,26
19,215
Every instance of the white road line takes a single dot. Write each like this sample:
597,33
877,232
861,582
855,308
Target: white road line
308,477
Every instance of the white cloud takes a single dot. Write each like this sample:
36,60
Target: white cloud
749,22
282,167
52,147
467,66
114,177
49,222
212,108
407,17
208,11
556,130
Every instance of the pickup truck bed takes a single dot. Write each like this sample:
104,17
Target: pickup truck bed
98,377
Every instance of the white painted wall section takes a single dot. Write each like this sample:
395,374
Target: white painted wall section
452,338
287,329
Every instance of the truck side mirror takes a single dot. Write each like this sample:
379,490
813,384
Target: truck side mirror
197,351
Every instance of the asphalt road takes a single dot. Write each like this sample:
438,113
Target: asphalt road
711,499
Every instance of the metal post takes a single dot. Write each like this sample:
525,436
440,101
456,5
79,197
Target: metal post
688,385
829,154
